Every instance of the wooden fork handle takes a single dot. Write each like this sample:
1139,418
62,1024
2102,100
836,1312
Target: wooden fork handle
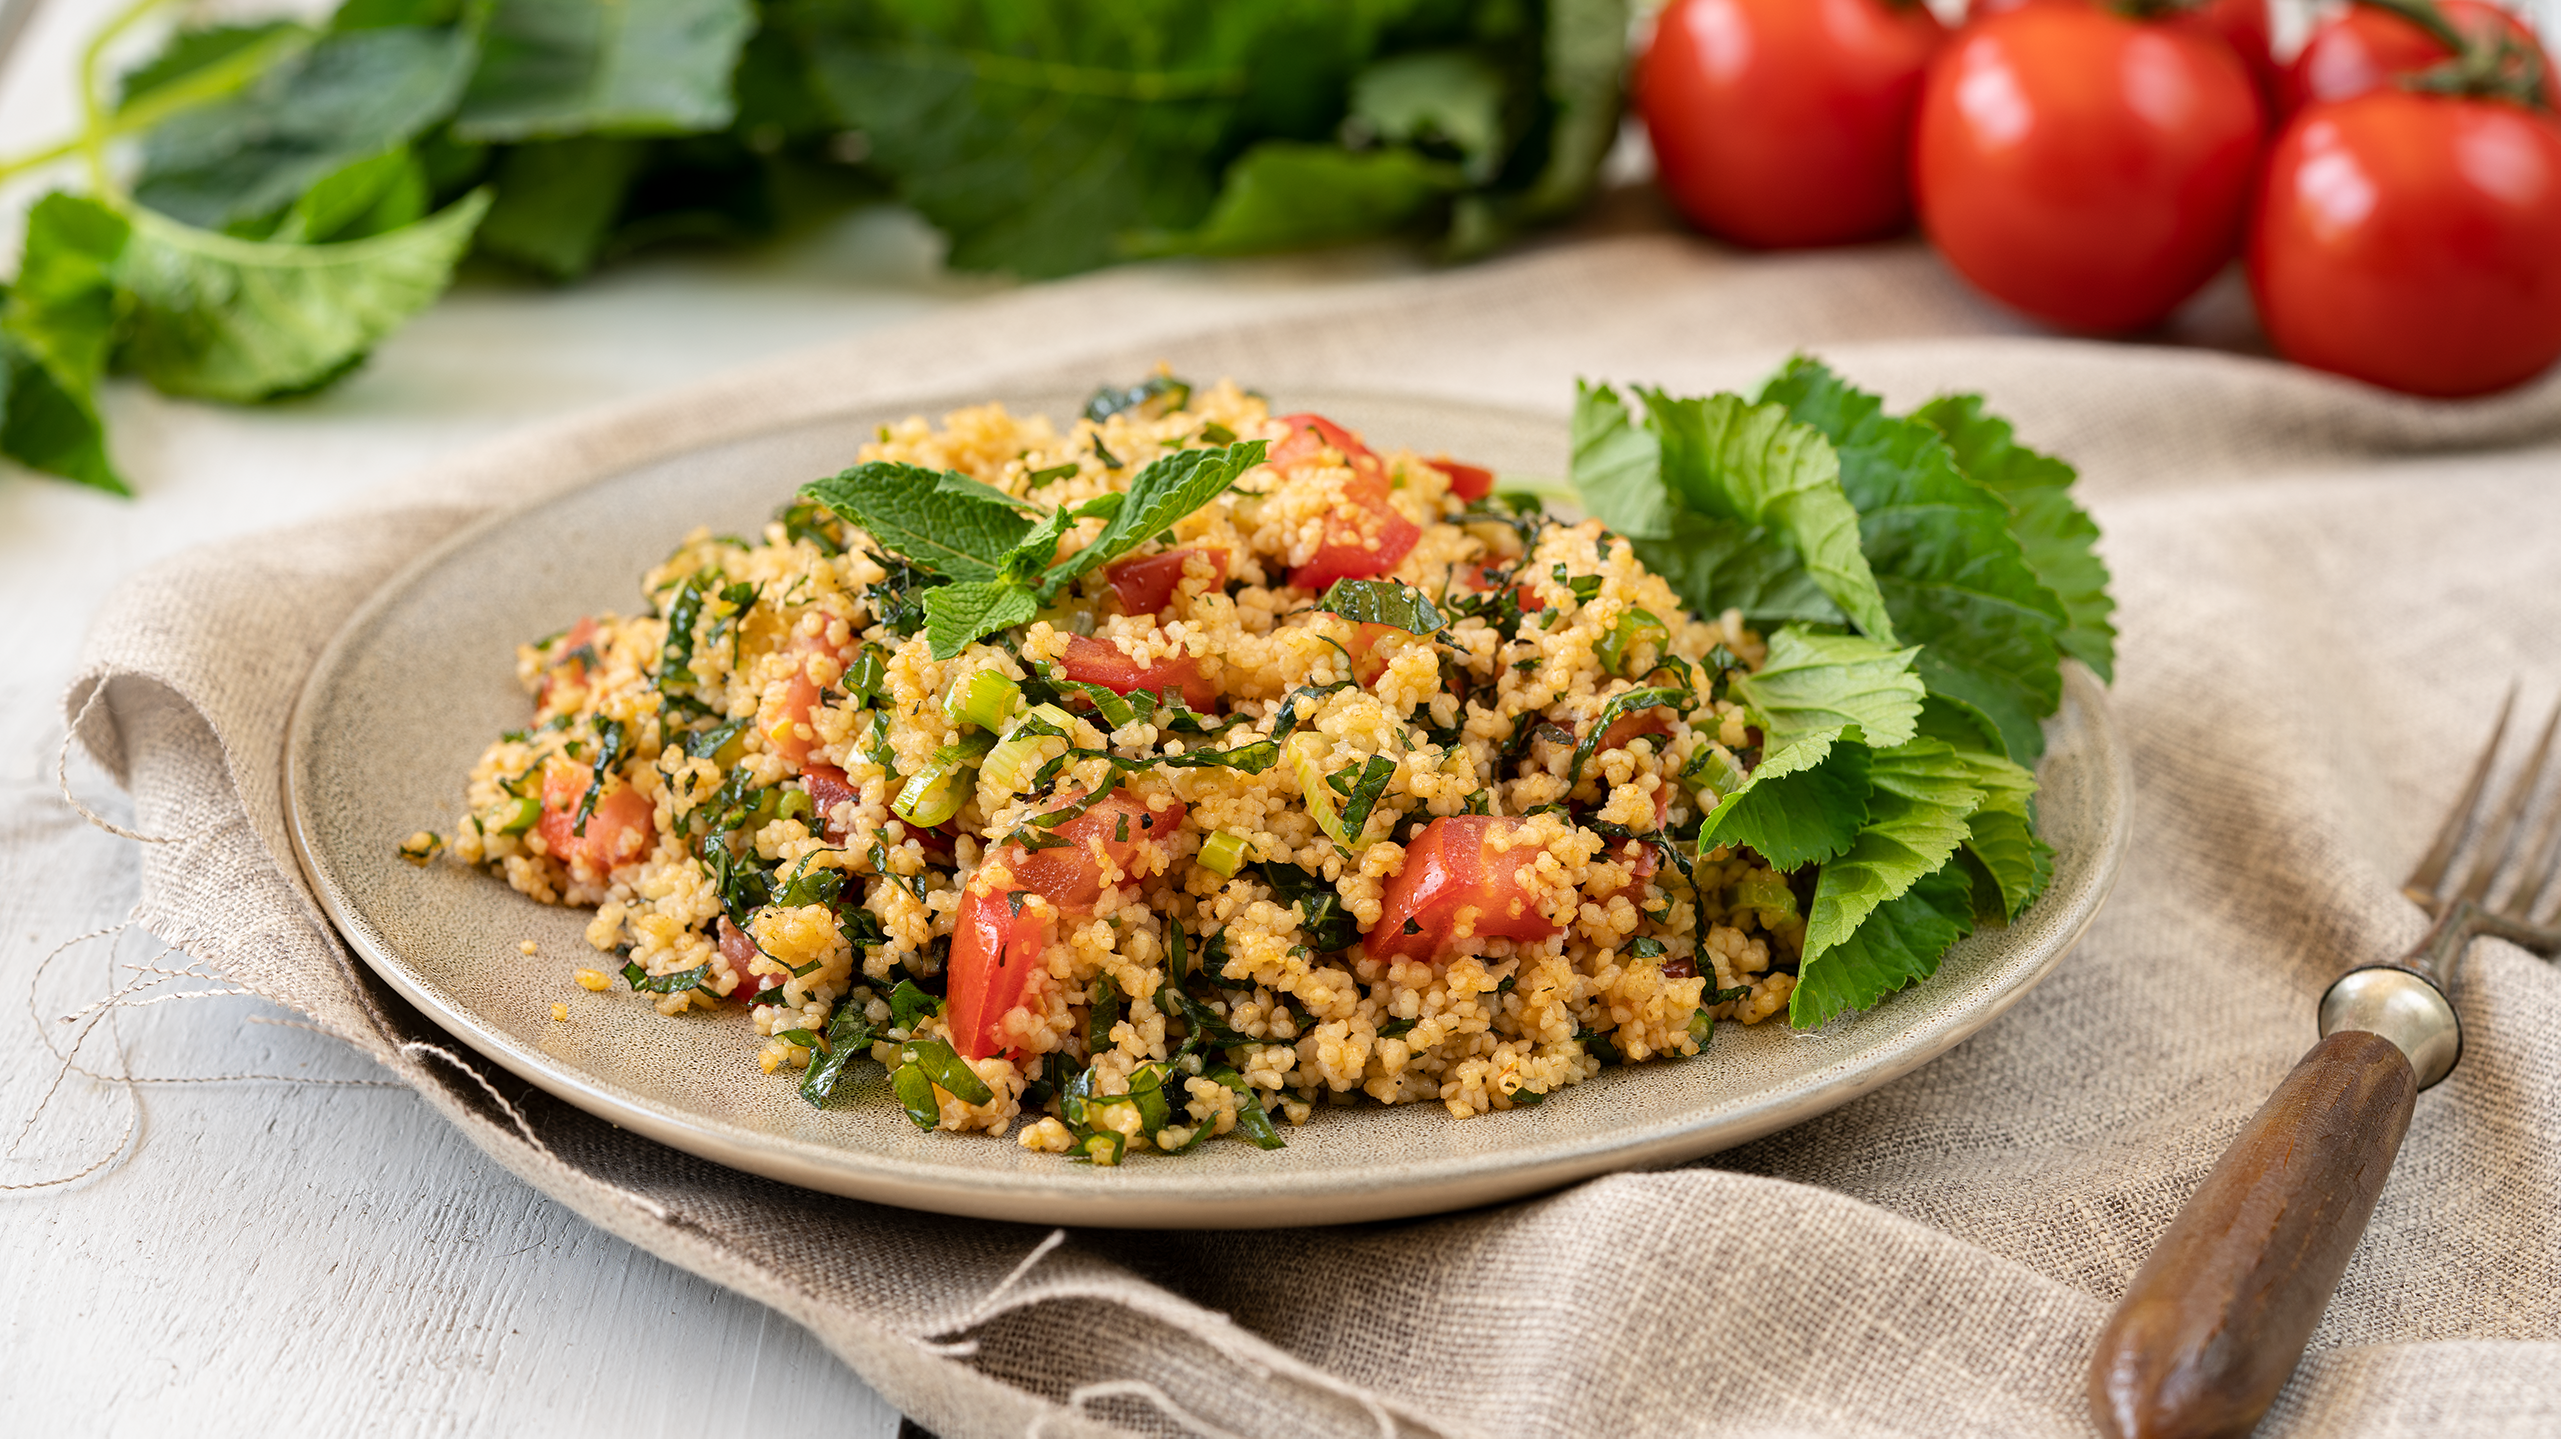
2217,1318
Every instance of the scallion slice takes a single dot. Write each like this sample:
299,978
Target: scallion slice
1225,852
986,699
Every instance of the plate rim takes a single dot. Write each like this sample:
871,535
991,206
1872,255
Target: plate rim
1126,1199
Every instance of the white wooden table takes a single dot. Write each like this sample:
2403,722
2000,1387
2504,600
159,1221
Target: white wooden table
276,1257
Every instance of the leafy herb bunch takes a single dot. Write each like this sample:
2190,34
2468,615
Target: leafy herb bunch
1922,579
303,191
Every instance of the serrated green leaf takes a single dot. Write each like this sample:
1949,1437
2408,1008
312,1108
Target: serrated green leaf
959,615
1617,468
556,68
1950,570
240,320
62,307
2001,836
953,482
1040,547
1901,941
1288,194
350,96
1814,684
1729,459
1452,98
957,536
1171,487
1715,565
1921,798
558,202
2020,864
2057,536
373,196
193,54
46,428
1807,815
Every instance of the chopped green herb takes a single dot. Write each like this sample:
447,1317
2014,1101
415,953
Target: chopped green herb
644,982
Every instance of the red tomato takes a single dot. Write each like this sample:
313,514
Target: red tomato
2088,169
1641,862
2245,25
739,948
2366,49
782,720
828,787
2414,241
995,951
564,669
1452,873
1468,482
996,948
1146,583
1102,847
1367,665
1365,537
618,830
1787,122
1100,662
1485,577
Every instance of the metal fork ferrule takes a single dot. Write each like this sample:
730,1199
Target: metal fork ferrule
2404,1008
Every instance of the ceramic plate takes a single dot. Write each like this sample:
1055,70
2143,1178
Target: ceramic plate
404,699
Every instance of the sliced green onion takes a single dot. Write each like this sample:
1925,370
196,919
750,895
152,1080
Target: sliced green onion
1634,627
1713,774
1104,1147
934,794
1767,893
1225,852
986,699
516,815
1702,1024
1012,763
1307,754
795,805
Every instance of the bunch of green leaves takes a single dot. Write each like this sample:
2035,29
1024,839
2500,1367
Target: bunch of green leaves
1000,552
1922,578
305,189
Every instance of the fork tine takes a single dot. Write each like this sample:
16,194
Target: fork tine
2500,839
2538,871
2421,886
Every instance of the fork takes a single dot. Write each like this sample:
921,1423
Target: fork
2214,1323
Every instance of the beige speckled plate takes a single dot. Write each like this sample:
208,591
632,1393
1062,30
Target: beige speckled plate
402,702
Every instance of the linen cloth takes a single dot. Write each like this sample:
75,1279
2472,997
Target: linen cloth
2324,593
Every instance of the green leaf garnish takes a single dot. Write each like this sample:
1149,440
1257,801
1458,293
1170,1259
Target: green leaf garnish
568,67
1383,602
959,536
1169,488
1900,941
2055,535
957,616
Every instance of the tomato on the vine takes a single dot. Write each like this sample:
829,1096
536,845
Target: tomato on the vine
2367,47
2087,168
1787,122
2414,241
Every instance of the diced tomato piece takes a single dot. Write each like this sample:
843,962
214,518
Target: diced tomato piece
1071,875
828,787
1656,721
581,636
1639,858
1310,436
1356,547
1367,663
995,951
1468,482
1485,578
1100,662
618,831
996,948
1147,583
781,721
1452,872
739,948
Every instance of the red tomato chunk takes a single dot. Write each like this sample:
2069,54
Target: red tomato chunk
828,787
1357,547
1147,583
739,948
618,832
996,945
1468,482
1100,662
1452,873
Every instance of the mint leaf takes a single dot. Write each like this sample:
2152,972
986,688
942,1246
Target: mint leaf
957,536
350,96
1172,486
1285,194
558,202
1950,570
2001,837
1731,460
1815,684
1027,559
1382,602
1917,814
370,197
62,310
1900,941
47,428
953,482
2056,536
1804,816
555,68
1617,469
240,320
958,616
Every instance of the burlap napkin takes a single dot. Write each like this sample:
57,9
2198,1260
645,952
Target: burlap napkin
2324,590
